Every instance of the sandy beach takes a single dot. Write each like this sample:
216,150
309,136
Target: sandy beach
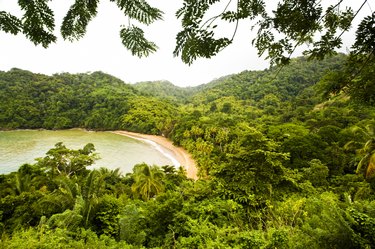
180,154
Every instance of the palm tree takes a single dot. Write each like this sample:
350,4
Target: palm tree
62,198
83,198
147,181
92,189
113,182
366,165
27,179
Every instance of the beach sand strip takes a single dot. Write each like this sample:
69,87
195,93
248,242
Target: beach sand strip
181,155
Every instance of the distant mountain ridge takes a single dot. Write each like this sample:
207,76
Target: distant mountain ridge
101,101
165,90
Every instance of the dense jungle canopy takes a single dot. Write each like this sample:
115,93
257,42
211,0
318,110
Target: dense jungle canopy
280,165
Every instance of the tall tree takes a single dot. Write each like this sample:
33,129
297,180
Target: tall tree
63,161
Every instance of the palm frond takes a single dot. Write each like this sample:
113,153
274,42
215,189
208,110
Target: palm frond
370,172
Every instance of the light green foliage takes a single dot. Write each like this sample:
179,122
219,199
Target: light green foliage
132,224
165,90
63,197
44,239
286,131
316,173
149,115
366,165
69,220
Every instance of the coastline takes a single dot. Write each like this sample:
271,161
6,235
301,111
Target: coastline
181,155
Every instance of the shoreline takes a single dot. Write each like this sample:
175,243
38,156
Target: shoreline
180,154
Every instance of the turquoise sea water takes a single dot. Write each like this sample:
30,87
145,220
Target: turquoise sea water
115,151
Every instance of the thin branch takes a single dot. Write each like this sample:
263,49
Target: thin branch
212,19
235,29
369,6
360,8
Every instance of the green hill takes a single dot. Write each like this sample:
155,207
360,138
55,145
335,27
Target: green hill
93,101
165,90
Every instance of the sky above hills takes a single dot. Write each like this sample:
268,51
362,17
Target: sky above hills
101,49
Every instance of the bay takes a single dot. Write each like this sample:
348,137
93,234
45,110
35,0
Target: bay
115,151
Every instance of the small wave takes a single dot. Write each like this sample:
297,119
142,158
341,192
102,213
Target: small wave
160,149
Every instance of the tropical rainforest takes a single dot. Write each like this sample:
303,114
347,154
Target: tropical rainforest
284,161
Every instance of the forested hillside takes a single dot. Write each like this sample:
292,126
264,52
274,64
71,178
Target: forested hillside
94,101
279,165
165,90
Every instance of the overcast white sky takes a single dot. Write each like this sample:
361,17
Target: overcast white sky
101,49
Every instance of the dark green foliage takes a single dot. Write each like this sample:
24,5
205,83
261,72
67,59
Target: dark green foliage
364,228
10,23
139,10
254,170
94,101
364,43
107,215
19,211
134,40
77,18
38,22
278,35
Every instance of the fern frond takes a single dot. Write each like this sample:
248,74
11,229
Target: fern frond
370,172
361,167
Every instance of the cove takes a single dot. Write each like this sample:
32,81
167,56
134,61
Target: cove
115,151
